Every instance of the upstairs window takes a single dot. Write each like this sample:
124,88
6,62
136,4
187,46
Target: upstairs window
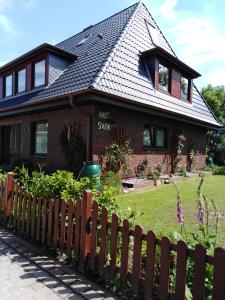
39,73
154,137
21,81
164,77
8,86
40,138
184,88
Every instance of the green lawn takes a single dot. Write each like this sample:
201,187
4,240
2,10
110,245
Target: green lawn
159,205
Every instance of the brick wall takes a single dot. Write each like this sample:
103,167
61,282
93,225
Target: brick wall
133,123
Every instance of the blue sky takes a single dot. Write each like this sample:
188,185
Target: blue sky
194,28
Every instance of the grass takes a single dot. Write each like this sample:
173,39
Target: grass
157,207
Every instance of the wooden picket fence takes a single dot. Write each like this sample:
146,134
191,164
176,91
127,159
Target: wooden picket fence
108,248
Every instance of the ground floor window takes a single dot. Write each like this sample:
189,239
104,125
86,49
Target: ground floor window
39,138
155,137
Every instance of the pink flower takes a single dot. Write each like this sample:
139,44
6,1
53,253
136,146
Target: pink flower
179,213
201,214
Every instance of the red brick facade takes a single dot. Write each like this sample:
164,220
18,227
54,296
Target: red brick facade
105,122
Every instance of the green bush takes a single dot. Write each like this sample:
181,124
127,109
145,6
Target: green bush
216,170
111,179
2,176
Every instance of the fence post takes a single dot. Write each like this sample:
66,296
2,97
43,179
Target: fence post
84,235
8,198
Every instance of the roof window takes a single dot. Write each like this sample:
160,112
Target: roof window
84,40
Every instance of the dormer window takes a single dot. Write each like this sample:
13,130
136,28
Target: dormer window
164,78
169,74
184,88
8,86
21,81
39,73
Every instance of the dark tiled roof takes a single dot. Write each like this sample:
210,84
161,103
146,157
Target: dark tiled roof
109,61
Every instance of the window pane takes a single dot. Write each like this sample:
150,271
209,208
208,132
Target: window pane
148,136
41,138
163,78
39,73
184,88
21,81
160,138
8,85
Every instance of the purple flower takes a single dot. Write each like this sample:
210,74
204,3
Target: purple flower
201,214
179,213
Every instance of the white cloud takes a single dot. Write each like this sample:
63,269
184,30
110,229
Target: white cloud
6,25
196,38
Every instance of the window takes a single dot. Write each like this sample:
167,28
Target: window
21,81
39,73
8,88
184,88
40,138
155,137
84,40
164,78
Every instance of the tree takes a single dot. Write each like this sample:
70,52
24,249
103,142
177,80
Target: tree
215,97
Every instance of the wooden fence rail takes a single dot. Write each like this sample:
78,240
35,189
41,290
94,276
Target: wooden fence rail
103,245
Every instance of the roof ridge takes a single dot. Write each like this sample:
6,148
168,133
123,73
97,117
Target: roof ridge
98,23
107,61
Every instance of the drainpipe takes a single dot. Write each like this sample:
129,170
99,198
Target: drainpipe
88,121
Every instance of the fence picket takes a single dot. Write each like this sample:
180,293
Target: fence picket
43,221
38,223
77,230
63,225
124,253
103,241
33,217
181,270
56,223
136,272
50,217
113,245
165,268
70,229
84,236
94,233
24,212
219,275
19,209
150,265
199,273
15,210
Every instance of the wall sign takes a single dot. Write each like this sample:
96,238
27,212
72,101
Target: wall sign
105,121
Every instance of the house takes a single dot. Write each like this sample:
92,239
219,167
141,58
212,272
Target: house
119,76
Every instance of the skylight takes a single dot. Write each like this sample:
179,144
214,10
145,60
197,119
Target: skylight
84,40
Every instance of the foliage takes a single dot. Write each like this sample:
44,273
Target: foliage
117,157
215,97
2,176
73,147
142,168
182,171
107,197
177,146
216,170
111,179
193,157
206,234
155,173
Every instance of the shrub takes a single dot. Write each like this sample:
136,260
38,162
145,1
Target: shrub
216,170
111,179
182,170
117,157
2,176
73,147
155,173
